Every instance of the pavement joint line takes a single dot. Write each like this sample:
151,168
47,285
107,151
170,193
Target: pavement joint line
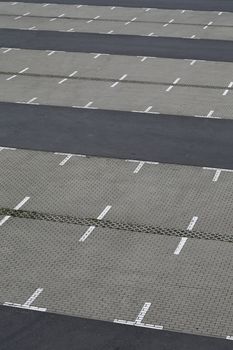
68,156
91,228
138,321
184,239
27,304
17,207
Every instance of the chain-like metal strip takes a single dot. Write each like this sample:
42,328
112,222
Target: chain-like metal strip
25,214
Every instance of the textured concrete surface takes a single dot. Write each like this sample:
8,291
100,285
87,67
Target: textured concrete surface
100,93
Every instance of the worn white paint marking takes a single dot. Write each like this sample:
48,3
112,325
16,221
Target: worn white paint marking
209,115
20,306
151,34
88,104
23,70
113,8
147,10
123,77
51,53
7,50
32,100
62,15
115,84
193,62
18,17
79,6
184,239
91,228
26,14
110,32
27,304
142,313
45,5
193,36
68,156
229,337
217,172
148,109
140,165
104,212
72,74
98,55
66,159
62,81
17,207
33,297
8,148
32,28
70,30
174,83
216,175
220,13
183,11
11,77
52,19
229,86
14,3
143,59
138,322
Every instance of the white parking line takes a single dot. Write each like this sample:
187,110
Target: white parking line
184,239
141,163
229,337
32,100
17,207
138,321
229,86
62,81
68,156
51,53
91,228
72,74
23,70
193,62
8,148
7,50
209,24
217,172
117,82
174,83
27,304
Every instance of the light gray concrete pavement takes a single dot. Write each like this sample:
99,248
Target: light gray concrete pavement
131,83
112,273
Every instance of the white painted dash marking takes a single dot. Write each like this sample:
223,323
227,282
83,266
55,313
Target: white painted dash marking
91,228
33,297
184,239
17,207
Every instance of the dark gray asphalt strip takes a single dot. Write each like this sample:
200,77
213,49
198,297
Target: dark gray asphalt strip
199,49
118,134
200,5
27,330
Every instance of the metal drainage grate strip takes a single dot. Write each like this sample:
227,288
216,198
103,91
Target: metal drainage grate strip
25,214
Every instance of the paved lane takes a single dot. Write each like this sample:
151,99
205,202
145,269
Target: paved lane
170,139
207,5
202,49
